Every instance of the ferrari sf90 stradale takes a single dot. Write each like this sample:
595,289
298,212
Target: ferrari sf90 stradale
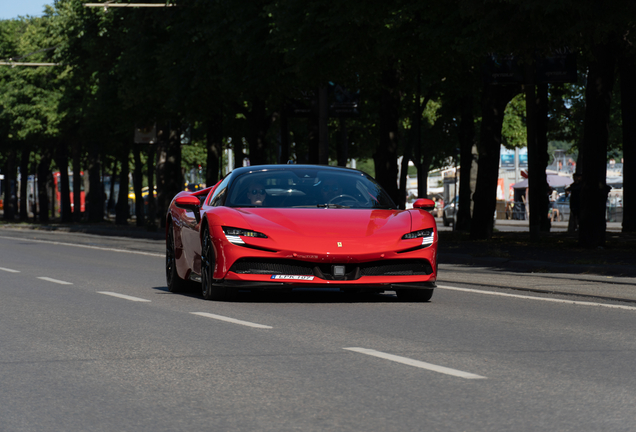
281,227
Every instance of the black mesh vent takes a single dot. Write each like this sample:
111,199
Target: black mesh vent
323,271
265,266
396,268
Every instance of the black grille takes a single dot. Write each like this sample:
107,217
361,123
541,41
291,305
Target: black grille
396,268
323,271
264,266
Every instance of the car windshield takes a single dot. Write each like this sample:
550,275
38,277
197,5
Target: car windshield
308,188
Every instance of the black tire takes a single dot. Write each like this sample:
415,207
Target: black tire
208,264
174,282
415,295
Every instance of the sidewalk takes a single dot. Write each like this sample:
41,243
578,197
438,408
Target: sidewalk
554,264
523,225
611,226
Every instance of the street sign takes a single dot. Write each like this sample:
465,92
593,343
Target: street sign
502,70
304,104
343,102
559,67
508,157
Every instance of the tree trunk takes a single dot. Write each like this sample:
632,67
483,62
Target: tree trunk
239,153
24,180
214,147
323,126
95,198
61,160
121,208
536,118
257,130
404,168
284,136
543,156
77,183
427,159
138,179
598,98
385,157
343,144
627,70
111,190
413,140
9,187
151,210
44,172
495,99
169,174
313,141
422,162
466,142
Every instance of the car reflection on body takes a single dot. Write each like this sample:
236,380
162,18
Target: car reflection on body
281,227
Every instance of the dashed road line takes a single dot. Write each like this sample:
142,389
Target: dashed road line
123,296
57,281
582,303
9,270
416,363
231,320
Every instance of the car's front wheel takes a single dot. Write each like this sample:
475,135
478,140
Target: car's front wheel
174,282
209,290
415,295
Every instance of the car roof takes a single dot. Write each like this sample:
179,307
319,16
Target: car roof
292,167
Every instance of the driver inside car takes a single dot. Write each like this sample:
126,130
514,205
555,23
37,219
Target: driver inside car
329,189
256,194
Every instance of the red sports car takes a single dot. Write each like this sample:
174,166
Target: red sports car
299,226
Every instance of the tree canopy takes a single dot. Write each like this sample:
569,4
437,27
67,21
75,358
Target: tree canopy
235,74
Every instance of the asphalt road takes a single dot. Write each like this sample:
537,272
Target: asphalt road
92,340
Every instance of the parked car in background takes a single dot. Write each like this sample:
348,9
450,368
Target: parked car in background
449,214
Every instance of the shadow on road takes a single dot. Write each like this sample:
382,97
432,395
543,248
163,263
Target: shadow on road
302,295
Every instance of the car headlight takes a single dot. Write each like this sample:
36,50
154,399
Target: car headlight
426,235
233,235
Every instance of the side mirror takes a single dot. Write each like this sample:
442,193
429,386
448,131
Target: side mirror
424,204
190,203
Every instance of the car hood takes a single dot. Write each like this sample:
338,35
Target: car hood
327,230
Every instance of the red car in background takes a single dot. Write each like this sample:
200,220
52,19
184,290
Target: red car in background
280,227
58,192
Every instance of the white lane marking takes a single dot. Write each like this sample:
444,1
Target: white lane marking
416,363
582,303
48,279
87,246
231,320
123,296
9,270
